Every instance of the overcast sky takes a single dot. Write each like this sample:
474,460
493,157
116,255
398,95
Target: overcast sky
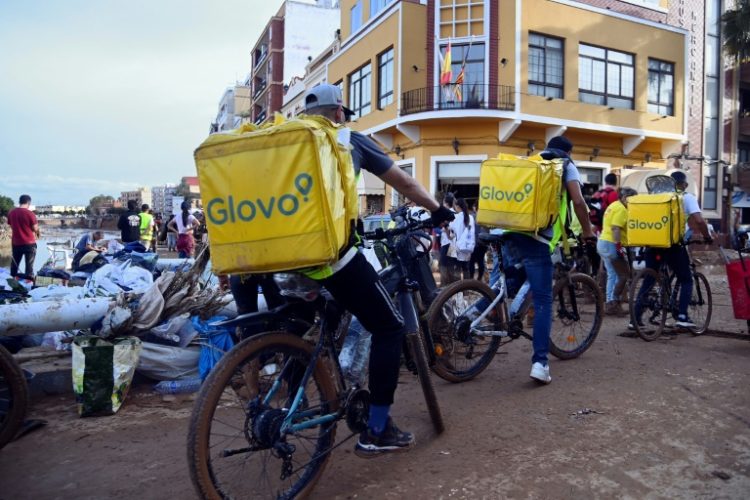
101,96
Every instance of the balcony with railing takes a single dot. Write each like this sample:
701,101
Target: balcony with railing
260,118
261,54
260,86
453,97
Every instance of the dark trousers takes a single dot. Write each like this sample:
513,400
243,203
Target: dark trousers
477,259
244,289
20,252
358,289
678,260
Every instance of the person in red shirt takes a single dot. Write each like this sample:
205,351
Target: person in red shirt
25,232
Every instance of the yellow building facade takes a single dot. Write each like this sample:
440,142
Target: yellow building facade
521,72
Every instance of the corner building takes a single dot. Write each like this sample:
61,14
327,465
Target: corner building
613,81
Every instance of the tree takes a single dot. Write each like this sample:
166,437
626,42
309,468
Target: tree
736,29
99,201
6,205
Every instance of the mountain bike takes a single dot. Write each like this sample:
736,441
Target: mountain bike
14,397
472,311
265,420
662,299
451,355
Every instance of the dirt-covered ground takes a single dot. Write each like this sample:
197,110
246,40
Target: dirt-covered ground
629,419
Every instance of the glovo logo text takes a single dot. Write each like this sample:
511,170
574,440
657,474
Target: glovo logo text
490,193
645,225
220,210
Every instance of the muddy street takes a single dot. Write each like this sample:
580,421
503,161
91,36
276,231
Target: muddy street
629,419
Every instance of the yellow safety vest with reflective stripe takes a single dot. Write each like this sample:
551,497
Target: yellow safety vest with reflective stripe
147,233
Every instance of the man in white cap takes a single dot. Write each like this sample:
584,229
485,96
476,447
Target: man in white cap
355,285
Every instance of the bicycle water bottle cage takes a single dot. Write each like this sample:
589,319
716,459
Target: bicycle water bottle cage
298,286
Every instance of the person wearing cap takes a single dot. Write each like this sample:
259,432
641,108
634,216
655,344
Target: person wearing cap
532,251
355,285
676,256
610,247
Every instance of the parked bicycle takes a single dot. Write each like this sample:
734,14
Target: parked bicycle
265,419
662,299
14,397
472,312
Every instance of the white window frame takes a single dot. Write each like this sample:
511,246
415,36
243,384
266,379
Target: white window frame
406,162
436,160
452,23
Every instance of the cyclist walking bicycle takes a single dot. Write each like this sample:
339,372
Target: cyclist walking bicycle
532,251
355,285
676,257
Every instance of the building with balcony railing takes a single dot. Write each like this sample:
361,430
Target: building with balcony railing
301,29
622,79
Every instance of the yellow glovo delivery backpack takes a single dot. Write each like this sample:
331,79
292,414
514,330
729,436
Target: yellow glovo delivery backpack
520,194
655,220
278,197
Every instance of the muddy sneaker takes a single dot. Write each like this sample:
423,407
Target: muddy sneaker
392,440
684,321
540,373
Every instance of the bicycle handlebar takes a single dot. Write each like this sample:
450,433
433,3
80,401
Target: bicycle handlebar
382,234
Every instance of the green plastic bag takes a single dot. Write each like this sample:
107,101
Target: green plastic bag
102,373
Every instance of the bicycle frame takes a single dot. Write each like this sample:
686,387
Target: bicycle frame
562,271
668,276
399,285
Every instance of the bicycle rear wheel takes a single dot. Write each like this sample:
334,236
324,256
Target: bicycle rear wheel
423,373
576,316
14,397
235,446
460,355
701,303
653,302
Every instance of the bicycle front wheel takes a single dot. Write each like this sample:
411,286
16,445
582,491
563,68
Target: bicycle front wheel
701,303
14,397
653,303
460,353
576,316
236,446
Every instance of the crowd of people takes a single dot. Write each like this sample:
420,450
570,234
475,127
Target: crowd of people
140,230
179,232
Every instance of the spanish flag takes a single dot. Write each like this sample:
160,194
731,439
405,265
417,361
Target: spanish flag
446,74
